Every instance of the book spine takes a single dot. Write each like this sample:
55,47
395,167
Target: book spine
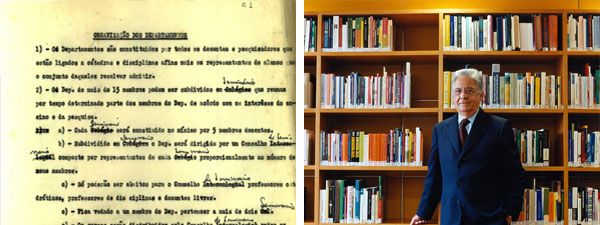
496,80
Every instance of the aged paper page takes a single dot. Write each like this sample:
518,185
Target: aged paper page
148,112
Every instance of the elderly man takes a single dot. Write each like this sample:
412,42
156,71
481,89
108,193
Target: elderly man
474,166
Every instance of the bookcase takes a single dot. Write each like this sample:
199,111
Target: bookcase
419,40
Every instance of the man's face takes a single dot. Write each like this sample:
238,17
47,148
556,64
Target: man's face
466,96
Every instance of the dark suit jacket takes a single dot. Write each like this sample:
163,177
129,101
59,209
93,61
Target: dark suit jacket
483,183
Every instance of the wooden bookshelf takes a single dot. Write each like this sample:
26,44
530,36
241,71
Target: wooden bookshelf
375,168
419,40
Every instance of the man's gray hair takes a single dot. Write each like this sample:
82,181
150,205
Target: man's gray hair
472,73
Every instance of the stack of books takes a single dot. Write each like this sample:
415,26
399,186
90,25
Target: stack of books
357,34
357,148
533,146
583,32
310,34
513,90
584,205
508,32
584,147
542,205
584,89
357,91
344,201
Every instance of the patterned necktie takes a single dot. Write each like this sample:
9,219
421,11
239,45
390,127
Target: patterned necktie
463,132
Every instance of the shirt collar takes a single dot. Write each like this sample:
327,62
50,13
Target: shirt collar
471,119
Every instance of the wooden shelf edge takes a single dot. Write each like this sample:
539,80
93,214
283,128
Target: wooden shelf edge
309,167
452,11
583,169
375,168
383,53
502,53
309,110
520,111
583,53
310,54
380,12
407,222
544,168
582,11
584,111
382,111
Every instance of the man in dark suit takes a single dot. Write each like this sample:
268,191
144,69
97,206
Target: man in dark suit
474,166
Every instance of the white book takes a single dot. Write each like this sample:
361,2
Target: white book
370,83
530,31
407,84
444,33
306,34
350,203
468,33
577,91
323,206
463,33
552,91
335,30
418,159
572,33
345,37
579,208
306,146
488,31
584,91
504,47
485,35
526,36
544,90
363,205
597,152
384,89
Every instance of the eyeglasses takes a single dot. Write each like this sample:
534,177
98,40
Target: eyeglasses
467,91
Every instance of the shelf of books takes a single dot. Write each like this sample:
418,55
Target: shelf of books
380,80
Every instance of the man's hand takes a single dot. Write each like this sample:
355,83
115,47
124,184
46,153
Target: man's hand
417,220
508,220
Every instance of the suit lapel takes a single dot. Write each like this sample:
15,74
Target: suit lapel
452,133
481,122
